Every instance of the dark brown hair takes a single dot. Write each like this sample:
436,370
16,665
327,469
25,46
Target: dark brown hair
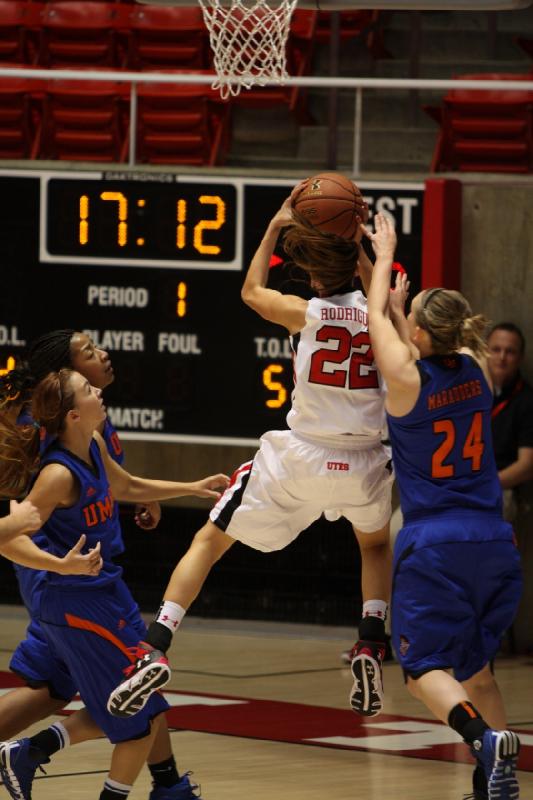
325,257
446,315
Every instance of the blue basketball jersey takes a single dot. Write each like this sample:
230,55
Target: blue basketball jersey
93,514
114,448
442,450
113,444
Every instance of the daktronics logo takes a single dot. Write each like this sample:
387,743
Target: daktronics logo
338,465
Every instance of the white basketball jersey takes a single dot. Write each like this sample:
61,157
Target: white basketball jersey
338,395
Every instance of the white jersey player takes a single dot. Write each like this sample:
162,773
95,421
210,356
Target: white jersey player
331,459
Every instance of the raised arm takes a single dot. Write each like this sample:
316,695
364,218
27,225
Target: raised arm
393,357
397,301
286,310
132,489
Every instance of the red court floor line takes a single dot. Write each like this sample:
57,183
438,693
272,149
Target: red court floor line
319,726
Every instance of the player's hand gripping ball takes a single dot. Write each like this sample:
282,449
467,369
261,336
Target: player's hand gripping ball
332,203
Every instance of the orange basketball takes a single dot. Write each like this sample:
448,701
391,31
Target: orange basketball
332,203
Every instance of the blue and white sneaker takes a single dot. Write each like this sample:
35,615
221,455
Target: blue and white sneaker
183,790
497,753
19,761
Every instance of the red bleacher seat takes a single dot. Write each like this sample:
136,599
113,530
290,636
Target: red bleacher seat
353,24
162,38
180,124
20,126
18,20
84,121
485,131
78,32
300,46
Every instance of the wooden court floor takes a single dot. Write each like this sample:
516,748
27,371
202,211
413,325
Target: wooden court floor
259,712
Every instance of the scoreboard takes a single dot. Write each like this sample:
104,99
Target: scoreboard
151,266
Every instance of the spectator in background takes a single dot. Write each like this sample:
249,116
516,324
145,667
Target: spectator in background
512,433
512,416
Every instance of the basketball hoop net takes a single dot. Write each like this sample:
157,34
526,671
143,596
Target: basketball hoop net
248,42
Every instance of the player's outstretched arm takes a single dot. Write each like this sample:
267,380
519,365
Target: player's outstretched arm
393,357
397,301
286,310
132,489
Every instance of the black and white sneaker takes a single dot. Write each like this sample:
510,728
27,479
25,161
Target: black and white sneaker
149,672
366,697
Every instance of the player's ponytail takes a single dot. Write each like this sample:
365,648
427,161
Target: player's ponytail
473,334
327,259
52,399
19,444
15,387
446,315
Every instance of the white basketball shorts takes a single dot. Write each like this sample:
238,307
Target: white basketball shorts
291,482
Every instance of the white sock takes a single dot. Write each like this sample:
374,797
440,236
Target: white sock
118,790
61,733
170,615
375,608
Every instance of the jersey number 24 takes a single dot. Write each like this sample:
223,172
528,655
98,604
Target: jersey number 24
473,446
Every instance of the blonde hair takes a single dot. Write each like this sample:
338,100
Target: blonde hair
446,315
324,257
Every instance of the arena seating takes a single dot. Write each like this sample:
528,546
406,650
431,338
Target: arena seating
180,124
489,131
300,46
84,121
19,21
20,120
78,33
167,38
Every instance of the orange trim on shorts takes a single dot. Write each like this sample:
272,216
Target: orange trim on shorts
99,630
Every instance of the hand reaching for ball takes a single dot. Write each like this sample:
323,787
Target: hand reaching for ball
383,237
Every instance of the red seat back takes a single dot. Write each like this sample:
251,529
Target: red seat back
84,121
78,33
163,38
180,124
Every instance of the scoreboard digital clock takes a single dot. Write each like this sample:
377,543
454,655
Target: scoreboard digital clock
151,266
180,224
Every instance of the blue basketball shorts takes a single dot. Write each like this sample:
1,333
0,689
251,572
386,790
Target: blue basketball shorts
33,659
91,631
451,604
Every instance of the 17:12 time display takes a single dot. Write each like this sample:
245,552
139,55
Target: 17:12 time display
193,224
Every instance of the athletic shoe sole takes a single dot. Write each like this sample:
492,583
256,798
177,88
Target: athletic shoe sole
502,782
366,697
131,696
9,778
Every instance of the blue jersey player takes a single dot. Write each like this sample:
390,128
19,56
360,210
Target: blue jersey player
49,686
457,577
89,623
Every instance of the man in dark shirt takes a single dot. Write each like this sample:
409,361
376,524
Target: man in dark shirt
512,413
512,433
